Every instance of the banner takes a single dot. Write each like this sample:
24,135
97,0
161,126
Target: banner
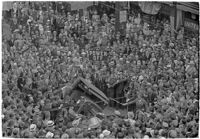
97,55
191,25
150,7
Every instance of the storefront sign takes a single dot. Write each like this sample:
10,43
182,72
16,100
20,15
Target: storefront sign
122,16
97,55
167,10
191,25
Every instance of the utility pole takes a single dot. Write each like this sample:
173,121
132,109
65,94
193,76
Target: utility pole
117,11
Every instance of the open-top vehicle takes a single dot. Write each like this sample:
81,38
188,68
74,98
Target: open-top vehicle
88,98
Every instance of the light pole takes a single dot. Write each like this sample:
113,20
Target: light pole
117,10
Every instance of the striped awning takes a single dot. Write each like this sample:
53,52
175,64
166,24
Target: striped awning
192,7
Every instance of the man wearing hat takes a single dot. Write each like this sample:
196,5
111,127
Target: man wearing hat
172,134
49,135
16,133
64,136
21,81
141,103
50,126
32,130
106,133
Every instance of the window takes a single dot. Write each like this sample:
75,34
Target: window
191,16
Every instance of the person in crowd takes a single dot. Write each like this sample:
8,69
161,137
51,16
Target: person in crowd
51,46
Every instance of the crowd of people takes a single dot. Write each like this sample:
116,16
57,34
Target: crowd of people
49,47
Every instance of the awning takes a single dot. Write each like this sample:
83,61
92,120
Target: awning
76,5
185,7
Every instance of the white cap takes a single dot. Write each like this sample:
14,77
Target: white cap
65,135
169,65
146,137
33,127
117,112
162,138
140,78
69,53
49,135
50,123
101,136
106,133
153,59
